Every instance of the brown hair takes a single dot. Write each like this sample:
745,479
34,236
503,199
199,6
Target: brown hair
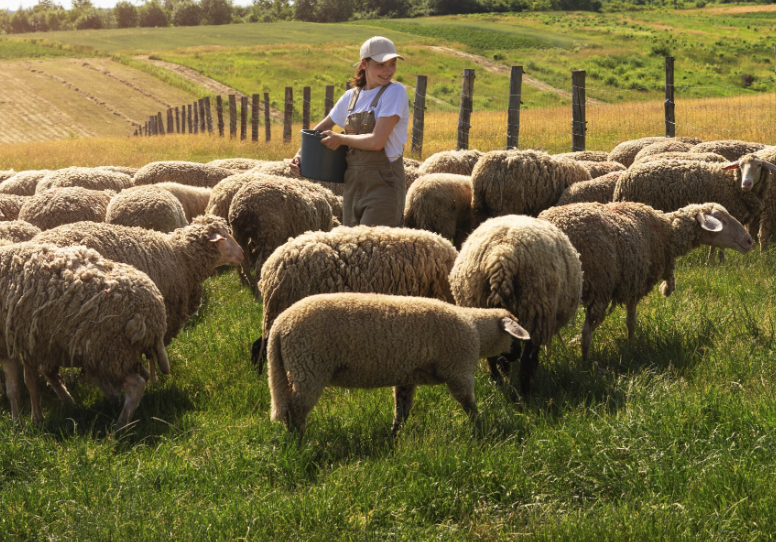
359,79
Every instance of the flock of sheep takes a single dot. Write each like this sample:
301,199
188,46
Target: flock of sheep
100,268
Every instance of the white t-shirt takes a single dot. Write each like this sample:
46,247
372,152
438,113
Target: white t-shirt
394,101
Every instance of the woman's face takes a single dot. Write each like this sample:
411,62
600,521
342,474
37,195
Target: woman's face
379,73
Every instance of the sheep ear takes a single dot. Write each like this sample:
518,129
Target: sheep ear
731,165
2,215
769,166
708,222
214,237
514,329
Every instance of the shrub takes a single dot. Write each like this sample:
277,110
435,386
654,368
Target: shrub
152,15
90,19
126,14
216,11
186,13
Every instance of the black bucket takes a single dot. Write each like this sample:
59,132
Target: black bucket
320,162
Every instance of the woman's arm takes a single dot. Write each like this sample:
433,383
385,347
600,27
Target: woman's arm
365,142
325,124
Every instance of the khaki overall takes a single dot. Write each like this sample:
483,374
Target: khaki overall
375,187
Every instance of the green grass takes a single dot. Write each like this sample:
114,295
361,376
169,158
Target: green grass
16,49
675,440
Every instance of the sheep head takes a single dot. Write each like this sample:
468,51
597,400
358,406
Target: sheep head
753,170
719,229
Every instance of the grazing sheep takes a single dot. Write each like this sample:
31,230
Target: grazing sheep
626,151
283,169
178,262
442,203
599,169
627,248
600,189
85,177
221,195
193,198
265,214
380,260
660,147
520,183
10,205
528,267
456,162
71,307
17,231
121,169
146,207
687,156
373,341
189,173
65,205
585,156
23,183
237,164
731,149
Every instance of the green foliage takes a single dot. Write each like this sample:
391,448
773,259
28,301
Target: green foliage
126,14
186,13
90,19
216,12
151,14
15,49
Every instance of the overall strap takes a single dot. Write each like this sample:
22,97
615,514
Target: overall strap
354,99
379,94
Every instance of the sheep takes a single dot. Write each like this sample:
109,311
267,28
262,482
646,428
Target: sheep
283,169
626,151
457,162
237,164
65,205
221,195
264,214
411,174
188,173
586,156
193,198
520,182
23,183
731,149
600,189
660,147
71,307
528,267
6,174
599,169
17,231
148,207
381,260
411,162
442,203
370,341
693,157
85,177
10,205
121,169
626,248
178,262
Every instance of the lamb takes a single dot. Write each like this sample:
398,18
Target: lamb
283,169
660,147
691,156
626,151
23,183
600,189
370,341
528,267
17,231
264,214
65,205
178,262
520,182
731,149
586,156
626,248
193,198
188,173
85,177
380,260
456,162
599,169
442,203
71,307
10,205
148,207
237,164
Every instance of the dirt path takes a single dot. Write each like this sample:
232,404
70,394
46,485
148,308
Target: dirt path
495,67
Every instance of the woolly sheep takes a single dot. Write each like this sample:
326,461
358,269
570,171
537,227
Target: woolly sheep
380,260
520,182
189,173
85,177
660,147
457,162
221,195
193,198
65,205
146,207
17,231
237,164
10,205
121,169
264,214
71,307
411,162
626,151
6,174
528,267
586,156
411,174
178,262
372,341
627,248
599,169
23,183
442,203
600,189
283,169
693,157
731,149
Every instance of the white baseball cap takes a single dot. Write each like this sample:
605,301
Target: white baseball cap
378,49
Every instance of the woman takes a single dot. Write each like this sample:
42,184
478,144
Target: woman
375,114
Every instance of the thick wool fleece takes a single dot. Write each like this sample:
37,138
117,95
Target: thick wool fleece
660,147
599,169
23,183
524,265
121,169
222,194
11,205
626,151
147,207
600,190
586,156
686,156
6,174
178,262
441,203
456,162
520,182
17,231
193,198
85,177
283,169
59,206
237,164
731,149
189,173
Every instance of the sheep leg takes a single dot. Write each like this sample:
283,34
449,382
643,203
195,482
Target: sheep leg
245,267
134,385
257,274
31,380
462,390
302,400
765,235
403,397
11,370
630,318
528,362
493,369
109,391
591,322
502,365
55,381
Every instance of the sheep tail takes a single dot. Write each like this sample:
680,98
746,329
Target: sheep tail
280,387
501,279
160,357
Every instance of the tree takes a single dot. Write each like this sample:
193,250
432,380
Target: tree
304,10
90,19
20,22
186,13
333,11
126,14
82,4
152,15
216,11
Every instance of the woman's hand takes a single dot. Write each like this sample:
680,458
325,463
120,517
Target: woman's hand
332,140
295,165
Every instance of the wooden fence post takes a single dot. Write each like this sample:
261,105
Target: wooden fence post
255,117
177,120
670,105
465,114
191,121
513,113
160,122
170,122
208,114
196,117
419,114
183,119
267,123
578,122
328,102
220,115
202,123
243,117
152,120
232,116
306,108
288,114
